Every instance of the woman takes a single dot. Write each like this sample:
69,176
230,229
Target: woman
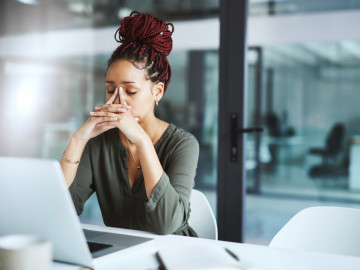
141,168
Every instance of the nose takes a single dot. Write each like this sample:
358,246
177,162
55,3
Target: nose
123,98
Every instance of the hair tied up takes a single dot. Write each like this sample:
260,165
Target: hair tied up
145,29
147,40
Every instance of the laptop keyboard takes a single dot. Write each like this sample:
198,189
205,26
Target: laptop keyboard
94,247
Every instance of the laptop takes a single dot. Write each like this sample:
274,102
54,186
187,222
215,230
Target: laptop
34,199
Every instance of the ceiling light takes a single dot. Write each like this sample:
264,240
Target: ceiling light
29,2
123,12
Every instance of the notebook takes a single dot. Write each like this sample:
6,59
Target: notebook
34,199
197,256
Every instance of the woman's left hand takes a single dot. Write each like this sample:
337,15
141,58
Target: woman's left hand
126,122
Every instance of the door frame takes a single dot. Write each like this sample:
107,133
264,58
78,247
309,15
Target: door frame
232,110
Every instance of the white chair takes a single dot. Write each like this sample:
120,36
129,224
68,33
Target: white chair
202,218
322,229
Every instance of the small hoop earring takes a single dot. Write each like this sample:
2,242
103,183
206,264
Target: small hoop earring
157,103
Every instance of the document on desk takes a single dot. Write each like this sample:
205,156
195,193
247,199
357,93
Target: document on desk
197,256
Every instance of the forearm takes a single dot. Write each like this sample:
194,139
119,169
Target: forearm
150,164
73,152
166,210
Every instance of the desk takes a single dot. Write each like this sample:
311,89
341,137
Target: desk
286,150
252,257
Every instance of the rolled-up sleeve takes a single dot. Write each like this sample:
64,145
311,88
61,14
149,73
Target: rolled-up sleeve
82,186
167,209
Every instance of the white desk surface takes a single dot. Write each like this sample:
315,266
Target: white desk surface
252,257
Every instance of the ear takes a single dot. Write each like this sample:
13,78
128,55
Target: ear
158,91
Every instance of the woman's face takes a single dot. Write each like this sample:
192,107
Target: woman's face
138,91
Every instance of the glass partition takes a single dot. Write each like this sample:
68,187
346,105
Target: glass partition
308,152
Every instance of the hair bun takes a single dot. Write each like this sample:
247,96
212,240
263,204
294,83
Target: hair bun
145,29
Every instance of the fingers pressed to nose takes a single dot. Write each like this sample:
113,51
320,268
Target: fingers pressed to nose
113,97
122,96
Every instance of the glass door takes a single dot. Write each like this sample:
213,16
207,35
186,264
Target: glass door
306,97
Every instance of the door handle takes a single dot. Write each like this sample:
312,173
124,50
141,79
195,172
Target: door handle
234,135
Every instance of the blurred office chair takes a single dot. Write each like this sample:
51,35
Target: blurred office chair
330,166
202,218
322,229
334,143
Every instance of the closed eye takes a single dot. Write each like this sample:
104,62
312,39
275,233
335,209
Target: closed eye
110,91
131,93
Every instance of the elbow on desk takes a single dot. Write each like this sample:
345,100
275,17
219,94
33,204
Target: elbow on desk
168,220
163,230
169,227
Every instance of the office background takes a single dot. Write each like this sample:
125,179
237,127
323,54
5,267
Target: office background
303,80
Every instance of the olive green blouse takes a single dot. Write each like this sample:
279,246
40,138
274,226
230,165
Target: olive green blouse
103,170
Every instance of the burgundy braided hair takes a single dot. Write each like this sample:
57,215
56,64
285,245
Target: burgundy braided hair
145,40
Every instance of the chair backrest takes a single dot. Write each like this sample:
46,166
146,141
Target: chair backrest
334,140
202,218
322,229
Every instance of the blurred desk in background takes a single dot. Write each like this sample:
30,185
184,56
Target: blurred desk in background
286,150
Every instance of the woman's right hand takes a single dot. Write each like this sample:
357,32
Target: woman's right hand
91,129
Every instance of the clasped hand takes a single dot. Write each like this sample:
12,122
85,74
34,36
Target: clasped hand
108,116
